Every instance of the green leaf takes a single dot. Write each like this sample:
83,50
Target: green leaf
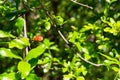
108,57
19,43
108,63
112,21
110,1
47,25
115,52
33,77
4,34
34,53
25,41
19,25
78,45
8,76
33,62
24,68
83,70
68,77
59,20
47,43
8,53
80,78
116,69
54,47
19,22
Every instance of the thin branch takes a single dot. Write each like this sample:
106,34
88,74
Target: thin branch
84,5
25,30
53,23
66,41
21,5
97,65
25,33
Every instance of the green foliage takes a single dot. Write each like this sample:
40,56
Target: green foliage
19,43
19,25
47,25
58,20
8,53
24,68
10,76
33,77
77,43
4,34
34,53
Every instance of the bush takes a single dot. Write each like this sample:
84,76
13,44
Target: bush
59,40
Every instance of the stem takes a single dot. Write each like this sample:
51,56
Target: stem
25,33
24,27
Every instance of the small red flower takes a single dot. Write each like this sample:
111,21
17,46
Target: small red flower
38,38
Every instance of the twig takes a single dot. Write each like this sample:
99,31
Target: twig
25,33
82,4
24,27
66,41
53,23
97,65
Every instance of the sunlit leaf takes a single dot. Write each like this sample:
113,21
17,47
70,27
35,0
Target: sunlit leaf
4,34
25,41
116,69
9,76
54,47
59,20
108,57
47,43
47,25
19,43
80,78
83,70
108,63
110,1
33,77
19,24
67,77
8,53
34,53
24,68
112,20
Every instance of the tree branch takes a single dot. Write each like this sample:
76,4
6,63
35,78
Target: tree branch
84,5
25,33
25,27
66,41
97,65
53,23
